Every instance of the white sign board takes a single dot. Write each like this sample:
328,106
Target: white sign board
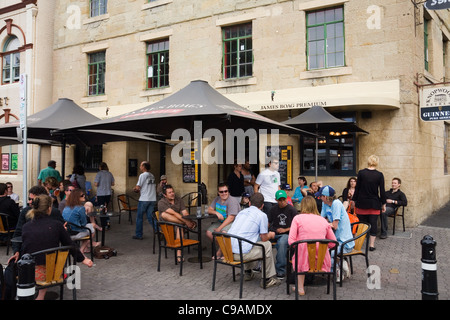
435,104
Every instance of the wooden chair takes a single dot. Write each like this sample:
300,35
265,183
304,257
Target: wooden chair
224,242
362,230
89,237
400,215
317,248
56,259
169,230
124,203
6,230
190,200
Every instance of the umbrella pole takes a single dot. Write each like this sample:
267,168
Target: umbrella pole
317,152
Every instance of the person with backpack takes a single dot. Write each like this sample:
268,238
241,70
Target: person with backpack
78,178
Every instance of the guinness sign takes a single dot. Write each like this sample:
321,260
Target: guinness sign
437,4
435,104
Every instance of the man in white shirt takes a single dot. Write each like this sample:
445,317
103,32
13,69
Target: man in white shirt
253,225
147,200
268,183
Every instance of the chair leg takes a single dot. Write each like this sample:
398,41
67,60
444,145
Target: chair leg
214,276
403,220
241,280
393,226
159,259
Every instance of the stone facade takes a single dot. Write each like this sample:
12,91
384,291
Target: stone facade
384,44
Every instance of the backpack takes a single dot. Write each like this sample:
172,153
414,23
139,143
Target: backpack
75,182
104,252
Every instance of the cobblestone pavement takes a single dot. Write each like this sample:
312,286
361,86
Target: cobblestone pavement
132,274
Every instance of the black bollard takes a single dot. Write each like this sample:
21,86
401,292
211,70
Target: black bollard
26,284
429,269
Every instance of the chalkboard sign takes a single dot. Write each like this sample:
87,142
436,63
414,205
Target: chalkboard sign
285,159
190,170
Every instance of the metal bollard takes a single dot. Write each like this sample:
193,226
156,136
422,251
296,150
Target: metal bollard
26,284
429,269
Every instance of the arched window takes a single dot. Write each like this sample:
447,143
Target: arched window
11,60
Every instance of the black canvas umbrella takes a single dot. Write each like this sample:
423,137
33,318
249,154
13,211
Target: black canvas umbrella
64,113
320,121
196,103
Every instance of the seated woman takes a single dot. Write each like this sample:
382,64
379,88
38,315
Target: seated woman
75,213
43,232
309,225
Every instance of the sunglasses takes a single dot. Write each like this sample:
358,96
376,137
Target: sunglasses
223,191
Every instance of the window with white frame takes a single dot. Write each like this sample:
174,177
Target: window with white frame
11,61
98,7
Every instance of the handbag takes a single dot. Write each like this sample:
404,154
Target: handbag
351,215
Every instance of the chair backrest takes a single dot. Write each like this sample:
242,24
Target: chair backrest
123,201
225,246
168,231
157,215
361,234
2,228
55,260
317,249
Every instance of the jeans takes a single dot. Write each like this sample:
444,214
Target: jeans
384,219
146,207
281,246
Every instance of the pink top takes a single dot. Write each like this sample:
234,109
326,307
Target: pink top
310,226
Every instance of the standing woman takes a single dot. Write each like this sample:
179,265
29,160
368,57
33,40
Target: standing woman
43,232
104,180
369,197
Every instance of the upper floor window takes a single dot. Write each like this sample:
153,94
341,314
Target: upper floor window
98,7
325,38
96,73
237,51
11,61
158,64
425,43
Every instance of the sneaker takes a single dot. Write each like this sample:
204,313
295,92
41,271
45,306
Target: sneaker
248,275
257,269
137,238
345,269
280,276
338,274
270,282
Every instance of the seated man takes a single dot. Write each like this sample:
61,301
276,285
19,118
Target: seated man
280,219
9,207
334,211
394,199
171,209
252,224
225,207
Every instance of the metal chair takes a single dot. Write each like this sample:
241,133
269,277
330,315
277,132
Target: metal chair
170,241
190,199
124,203
56,259
89,237
317,249
400,215
362,231
6,230
224,242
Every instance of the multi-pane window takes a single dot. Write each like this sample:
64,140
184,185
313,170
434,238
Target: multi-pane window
158,64
425,43
11,61
336,153
98,7
96,76
325,38
237,51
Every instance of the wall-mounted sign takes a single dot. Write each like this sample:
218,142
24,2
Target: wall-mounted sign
437,4
435,104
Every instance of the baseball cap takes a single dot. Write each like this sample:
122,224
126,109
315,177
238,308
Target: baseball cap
245,195
285,187
327,191
163,177
280,194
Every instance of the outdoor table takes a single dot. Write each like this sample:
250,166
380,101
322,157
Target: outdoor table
199,259
104,221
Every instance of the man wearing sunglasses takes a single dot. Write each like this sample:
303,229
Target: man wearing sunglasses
225,208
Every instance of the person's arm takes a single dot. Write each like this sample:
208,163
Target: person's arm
226,222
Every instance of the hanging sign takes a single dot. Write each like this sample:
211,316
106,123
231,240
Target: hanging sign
437,4
435,104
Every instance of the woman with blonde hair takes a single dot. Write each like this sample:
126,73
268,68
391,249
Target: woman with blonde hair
309,225
43,232
370,197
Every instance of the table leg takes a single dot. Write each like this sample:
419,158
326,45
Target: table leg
200,249
104,223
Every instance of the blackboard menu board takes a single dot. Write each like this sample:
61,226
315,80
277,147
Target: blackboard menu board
190,170
285,159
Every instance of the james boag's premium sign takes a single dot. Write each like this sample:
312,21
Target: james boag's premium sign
435,104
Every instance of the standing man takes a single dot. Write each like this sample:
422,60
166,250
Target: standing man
147,200
104,180
252,224
268,183
394,199
50,171
280,219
